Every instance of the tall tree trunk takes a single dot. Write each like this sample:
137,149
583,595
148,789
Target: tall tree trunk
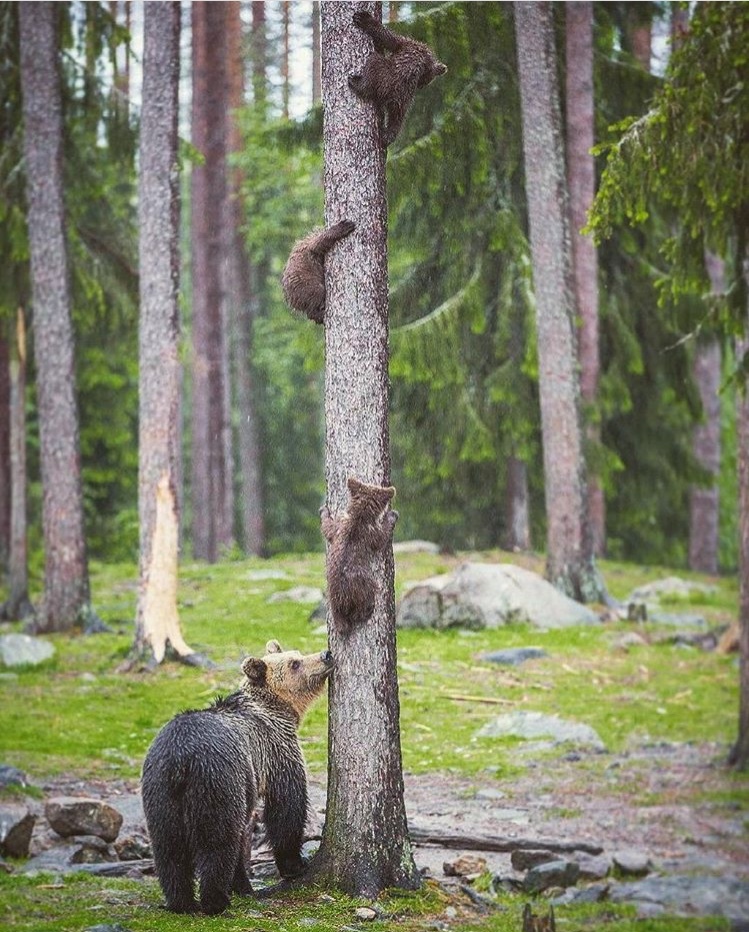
259,56
581,181
639,32
66,584
316,69
285,57
365,846
517,521
570,561
18,606
739,756
5,418
239,292
157,625
212,480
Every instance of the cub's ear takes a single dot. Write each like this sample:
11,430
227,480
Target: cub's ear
273,647
439,68
254,669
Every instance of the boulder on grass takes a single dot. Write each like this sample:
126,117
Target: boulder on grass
77,815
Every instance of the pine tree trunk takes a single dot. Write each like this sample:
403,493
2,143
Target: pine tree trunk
517,522
18,606
285,76
739,756
157,621
212,480
581,181
4,451
66,584
239,293
704,500
316,70
365,846
259,55
570,561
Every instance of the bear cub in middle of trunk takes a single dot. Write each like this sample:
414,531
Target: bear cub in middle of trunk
353,539
303,279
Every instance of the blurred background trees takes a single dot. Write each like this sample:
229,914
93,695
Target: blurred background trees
465,424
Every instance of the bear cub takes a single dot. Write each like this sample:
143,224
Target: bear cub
353,539
206,768
303,279
391,81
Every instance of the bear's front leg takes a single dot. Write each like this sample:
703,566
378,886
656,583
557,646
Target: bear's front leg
286,817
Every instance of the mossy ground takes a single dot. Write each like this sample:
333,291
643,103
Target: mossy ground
76,715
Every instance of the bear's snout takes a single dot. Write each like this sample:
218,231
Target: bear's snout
326,656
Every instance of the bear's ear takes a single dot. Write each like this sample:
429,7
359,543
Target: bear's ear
354,486
438,69
254,669
273,647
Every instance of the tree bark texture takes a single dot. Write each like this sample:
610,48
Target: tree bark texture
517,521
4,451
18,606
704,500
157,621
739,756
241,313
570,561
259,55
66,584
212,480
365,845
316,68
581,182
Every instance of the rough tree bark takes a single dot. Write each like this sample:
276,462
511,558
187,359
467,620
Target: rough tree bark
581,181
66,583
212,479
259,56
18,606
316,69
157,627
241,313
517,522
365,846
4,451
570,560
285,54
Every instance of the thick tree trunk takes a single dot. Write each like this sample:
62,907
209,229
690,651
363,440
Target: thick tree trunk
571,564
239,294
157,621
66,584
4,451
581,181
739,756
212,480
18,606
517,521
365,845
704,500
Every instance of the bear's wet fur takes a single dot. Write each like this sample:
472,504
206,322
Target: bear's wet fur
303,279
353,539
391,80
206,769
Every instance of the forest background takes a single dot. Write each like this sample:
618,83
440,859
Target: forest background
465,426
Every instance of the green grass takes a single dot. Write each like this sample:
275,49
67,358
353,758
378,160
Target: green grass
76,714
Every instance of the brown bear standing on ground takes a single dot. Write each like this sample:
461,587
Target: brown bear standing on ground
303,278
206,768
391,81
353,538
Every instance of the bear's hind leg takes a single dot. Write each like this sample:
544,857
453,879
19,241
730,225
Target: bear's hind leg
175,877
216,868
241,883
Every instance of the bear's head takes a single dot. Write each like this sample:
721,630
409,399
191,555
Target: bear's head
368,501
292,678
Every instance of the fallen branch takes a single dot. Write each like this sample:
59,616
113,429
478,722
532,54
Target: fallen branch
491,700
422,836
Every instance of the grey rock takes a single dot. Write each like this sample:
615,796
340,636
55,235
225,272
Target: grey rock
415,546
521,724
485,595
632,863
258,575
686,896
594,866
54,860
551,874
133,847
73,815
306,595
106,927
16,824
12,776
593,893
19,650
669,588
523,860
91,849
678,620
514,656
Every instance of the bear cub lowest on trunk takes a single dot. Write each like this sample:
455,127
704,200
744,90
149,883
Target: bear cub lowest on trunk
353,539
206,768
391,81
303,279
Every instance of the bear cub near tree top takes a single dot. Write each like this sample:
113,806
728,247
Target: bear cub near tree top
353,539
391,81
206,768
303,279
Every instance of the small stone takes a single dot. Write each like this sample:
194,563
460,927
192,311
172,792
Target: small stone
306,595
466,866
632,863
73,815
551,874
366,913
451,912
594,867
12,776
16,824
106,927
92,850
523,860
20,650
514,656
133,847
